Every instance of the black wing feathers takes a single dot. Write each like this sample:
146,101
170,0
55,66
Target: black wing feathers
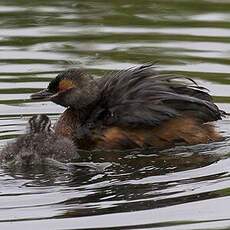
143,97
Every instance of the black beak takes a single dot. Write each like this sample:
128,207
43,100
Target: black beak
42,95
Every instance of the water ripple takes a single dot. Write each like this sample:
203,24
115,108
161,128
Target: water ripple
181,188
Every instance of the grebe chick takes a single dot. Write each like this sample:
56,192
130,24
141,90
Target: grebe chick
132,108
39,143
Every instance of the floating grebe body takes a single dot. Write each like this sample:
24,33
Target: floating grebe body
38,144
133,108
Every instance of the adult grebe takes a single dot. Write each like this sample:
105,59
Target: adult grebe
132,108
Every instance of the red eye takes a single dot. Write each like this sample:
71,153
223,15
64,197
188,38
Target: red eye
66,84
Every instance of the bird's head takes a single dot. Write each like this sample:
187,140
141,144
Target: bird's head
72,88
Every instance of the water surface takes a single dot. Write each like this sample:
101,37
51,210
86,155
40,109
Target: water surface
182,188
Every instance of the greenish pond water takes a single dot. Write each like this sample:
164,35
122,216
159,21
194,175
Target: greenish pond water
182,188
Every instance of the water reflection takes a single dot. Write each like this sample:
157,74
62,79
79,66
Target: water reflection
137,181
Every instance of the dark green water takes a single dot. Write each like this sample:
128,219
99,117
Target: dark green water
185,188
